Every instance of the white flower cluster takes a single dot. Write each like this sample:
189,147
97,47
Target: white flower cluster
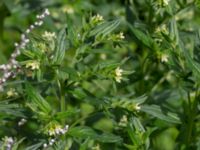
49,35
97,18
13,64
58,130
51,142
22,122
8,142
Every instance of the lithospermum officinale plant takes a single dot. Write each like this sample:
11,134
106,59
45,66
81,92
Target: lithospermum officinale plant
92,86
49,75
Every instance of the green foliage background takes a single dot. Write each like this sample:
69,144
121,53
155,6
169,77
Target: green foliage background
154,107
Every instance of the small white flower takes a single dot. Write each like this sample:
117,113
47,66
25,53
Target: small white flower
11,93
121,36
16,44
46,12
45,145
123,121
34,65
118,74
22,122
3,67
118,71
165,2
52,140
51,132
137,107
164,58
40,23
118,79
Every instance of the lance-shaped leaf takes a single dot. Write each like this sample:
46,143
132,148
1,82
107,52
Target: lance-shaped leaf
142,37
37,102
105,28
86,132
156,111
60,48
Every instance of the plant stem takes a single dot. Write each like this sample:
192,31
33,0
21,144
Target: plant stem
62,102
62,97
191,117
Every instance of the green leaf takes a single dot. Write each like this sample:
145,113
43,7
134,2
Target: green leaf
142,37
82,132
137,124
156,111
174,31
86,132
78,93
192,64
4,12
8,109
104,28
65,114
37,102
35,146
16,145
60,48
109,138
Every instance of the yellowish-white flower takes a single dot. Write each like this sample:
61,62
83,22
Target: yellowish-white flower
166,2
22,122
137,107
162,28
97,18
103,56
34,65
11,93
118,74
49,35
123,121
97,147
68,9
164,58
121,36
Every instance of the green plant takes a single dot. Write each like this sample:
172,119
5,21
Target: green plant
85,81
